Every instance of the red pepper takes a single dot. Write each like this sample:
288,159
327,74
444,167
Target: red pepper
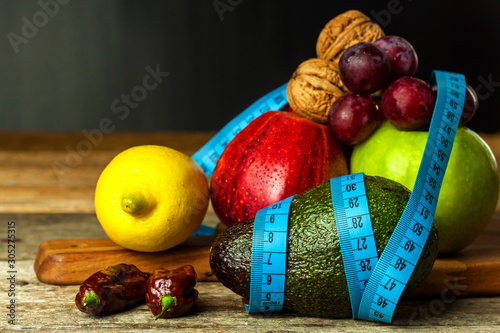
171,293
111,290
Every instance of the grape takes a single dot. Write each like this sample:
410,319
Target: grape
352,118
364,68
401,54
471,103
408,103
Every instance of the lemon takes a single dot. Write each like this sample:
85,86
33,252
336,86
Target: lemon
151,198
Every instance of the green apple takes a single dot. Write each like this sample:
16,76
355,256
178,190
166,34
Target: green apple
469,192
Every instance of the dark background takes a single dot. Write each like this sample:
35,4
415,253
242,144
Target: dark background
86,54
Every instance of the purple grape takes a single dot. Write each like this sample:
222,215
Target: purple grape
352,118
408,103
401,54
471,103
364,68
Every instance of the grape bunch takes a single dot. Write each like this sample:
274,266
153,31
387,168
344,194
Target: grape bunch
381,83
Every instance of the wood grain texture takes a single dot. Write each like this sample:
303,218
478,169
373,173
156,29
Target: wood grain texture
60,141
72,261
53,172
46,308
472,272
57,172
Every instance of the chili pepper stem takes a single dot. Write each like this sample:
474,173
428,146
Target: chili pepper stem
167,302
91,300
135,203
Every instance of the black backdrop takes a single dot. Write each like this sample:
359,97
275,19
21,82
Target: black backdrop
67,65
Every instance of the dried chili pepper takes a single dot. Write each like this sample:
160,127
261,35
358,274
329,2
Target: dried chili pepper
171,293
111,290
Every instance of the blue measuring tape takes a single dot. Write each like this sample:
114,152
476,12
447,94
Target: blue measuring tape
209,154
403,250
355,232
269,247
375,285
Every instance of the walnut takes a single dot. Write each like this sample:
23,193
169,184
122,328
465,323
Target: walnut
313,88
343,31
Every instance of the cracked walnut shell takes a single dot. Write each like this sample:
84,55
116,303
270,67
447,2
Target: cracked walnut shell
313,88
343,31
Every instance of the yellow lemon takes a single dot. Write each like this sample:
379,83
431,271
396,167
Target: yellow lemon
151,198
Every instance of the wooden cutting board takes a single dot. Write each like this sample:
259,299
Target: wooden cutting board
71,261
474,271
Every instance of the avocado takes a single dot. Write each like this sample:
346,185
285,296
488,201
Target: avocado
315,282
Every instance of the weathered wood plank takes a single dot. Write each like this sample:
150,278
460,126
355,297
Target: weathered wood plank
472,272
47,200
46,172
48,308
46,158
68,141
50,172
33,229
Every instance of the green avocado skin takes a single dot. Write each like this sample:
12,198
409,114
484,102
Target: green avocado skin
315,282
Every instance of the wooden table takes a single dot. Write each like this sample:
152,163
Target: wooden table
47,182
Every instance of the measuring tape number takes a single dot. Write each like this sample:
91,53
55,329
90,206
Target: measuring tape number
209,154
